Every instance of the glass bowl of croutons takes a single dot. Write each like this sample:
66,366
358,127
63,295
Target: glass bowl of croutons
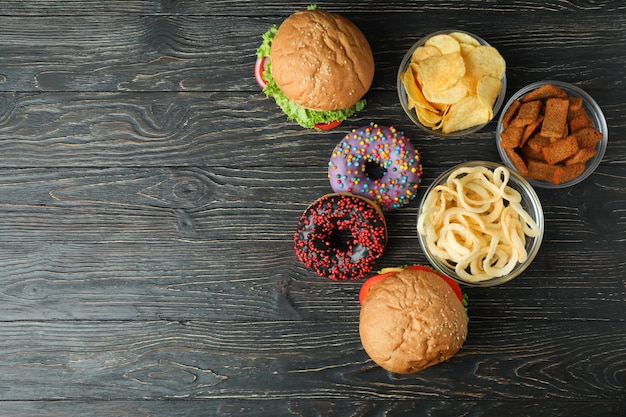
451,83
552,133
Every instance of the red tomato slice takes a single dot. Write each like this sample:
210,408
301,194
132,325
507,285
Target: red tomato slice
328,126
259,68
367,285
455,287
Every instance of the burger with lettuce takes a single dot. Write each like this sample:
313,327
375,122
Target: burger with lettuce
317,66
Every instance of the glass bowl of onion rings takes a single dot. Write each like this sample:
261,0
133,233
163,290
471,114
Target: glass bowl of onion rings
480,223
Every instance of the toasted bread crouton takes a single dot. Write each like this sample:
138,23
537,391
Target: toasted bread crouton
560,150
571,113
544,172
543,92
581,157
510,112
563,135
570,172
587,137
511,136
558,137
537,142
555,117
527,113
578,122
575,103
530,130
517,160
526,152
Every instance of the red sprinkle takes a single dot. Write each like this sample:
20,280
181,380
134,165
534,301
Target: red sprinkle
340,236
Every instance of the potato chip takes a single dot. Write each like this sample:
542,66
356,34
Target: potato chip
441,108
470,83
485,60
466,48
428,118
440,72
413,91
488,89
468,112
423,52
448,96
445,43
453,82
465,38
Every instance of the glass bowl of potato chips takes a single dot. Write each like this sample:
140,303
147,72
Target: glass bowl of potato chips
553,133
452,83
480,223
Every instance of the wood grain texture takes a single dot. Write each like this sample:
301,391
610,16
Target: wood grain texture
149,193
206,129
142,235
304,407
182,52
304,360
245,8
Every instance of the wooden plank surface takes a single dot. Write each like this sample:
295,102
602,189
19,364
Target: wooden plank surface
149,194
304,360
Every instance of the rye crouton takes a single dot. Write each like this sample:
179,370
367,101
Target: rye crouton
560,150
587,137
544,172
571,114
526,152
518,162
511,137
578,122
537,142
530,130
575,103
570,172
527,113
581,157
510,112
555,118
544,92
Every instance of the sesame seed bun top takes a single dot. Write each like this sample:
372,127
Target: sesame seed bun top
321,60
412,320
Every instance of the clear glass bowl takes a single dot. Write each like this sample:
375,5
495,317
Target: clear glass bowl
404,98
593,111
530,202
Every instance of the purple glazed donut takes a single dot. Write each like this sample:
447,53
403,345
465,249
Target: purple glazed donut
376,162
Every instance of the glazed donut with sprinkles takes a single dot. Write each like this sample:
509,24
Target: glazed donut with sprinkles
376,162
341,236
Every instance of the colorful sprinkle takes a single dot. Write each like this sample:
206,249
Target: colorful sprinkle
388,148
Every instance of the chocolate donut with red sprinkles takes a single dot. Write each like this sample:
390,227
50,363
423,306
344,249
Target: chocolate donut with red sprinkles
341,236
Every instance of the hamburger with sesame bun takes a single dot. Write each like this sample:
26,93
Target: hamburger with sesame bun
317,66
411,318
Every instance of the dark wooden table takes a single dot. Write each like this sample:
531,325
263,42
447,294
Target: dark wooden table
149,193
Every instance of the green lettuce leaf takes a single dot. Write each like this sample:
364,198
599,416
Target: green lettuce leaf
304,117
264,49
465,302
